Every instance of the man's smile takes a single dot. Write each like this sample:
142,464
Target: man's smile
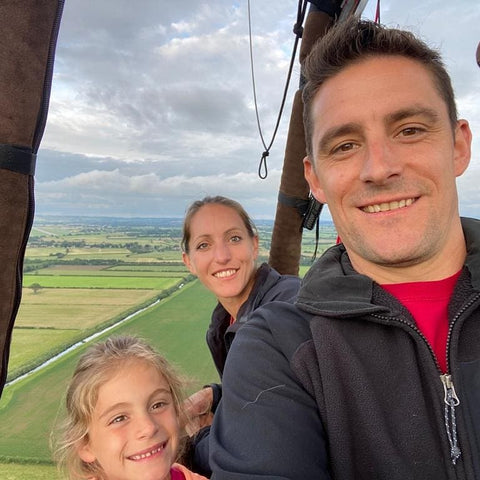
387,206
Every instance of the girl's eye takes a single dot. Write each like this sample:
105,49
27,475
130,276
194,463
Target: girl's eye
158,405
118,419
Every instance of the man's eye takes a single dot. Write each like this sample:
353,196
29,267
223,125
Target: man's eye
344,147
410,131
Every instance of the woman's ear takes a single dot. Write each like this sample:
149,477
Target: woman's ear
255,246
188,263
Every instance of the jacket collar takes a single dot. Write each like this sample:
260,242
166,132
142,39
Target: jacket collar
332,287
471,230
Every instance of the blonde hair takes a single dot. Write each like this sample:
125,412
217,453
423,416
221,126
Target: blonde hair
94,368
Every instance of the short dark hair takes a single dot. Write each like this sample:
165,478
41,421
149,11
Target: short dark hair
217,200
354,40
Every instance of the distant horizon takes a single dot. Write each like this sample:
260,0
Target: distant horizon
60,216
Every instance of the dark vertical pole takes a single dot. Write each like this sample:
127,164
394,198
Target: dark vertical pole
285,249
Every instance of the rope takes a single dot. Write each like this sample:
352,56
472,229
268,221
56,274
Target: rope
298,30
377,12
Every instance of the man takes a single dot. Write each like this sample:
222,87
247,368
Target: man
374,373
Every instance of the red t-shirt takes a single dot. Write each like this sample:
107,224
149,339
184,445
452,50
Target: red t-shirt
428,304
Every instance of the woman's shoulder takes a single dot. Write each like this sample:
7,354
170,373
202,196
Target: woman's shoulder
278,287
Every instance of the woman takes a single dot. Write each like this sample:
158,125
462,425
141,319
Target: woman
220,247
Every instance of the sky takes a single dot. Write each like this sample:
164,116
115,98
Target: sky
152,103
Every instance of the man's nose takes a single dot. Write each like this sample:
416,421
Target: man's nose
379,162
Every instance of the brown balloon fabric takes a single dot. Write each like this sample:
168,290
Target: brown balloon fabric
29,32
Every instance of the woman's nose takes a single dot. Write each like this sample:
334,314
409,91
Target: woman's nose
222,253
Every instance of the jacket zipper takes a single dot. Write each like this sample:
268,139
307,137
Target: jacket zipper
451,401
450,398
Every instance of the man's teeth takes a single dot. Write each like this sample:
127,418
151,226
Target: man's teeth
385,207
146,455
225,273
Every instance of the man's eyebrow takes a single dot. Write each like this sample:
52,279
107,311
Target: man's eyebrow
335,132
410,112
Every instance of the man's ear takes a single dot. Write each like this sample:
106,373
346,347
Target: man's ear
312,179
86,453
188,263
463,143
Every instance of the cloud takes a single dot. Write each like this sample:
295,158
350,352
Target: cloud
152,102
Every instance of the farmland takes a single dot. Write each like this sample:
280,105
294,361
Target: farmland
81,276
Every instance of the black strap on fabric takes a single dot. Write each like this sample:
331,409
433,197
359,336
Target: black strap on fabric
18,159
300,204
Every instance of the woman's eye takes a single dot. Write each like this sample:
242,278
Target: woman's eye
202,246
235,238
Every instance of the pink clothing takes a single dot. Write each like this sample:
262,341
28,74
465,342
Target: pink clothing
179,472
428,304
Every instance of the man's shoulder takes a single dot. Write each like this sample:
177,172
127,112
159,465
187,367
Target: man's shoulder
280,323
271,286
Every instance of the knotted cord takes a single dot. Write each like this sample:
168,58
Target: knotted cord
298,30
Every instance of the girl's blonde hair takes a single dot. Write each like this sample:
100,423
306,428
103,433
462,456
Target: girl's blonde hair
95,367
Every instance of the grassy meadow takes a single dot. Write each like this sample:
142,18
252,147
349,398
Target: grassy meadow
172,326
80,277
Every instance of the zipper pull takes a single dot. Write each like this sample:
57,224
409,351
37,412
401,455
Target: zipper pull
451,401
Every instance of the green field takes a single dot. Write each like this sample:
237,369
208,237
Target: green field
28,409
159,269
125,271
94,281
49,320
89,276
12,471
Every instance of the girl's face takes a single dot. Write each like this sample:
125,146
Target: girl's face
221,253
134,432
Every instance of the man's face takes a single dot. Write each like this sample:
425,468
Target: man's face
385,161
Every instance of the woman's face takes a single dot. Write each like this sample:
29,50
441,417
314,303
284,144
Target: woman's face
222,254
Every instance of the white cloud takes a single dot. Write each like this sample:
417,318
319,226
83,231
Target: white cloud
152,102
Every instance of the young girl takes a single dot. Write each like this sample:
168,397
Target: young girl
124,416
